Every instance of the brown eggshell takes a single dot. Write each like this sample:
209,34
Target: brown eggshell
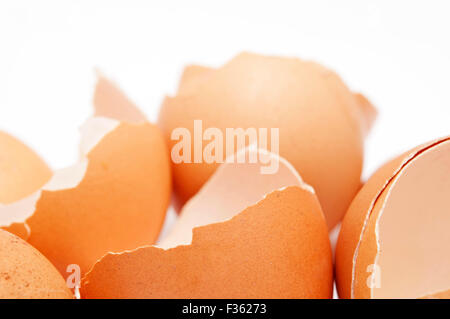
377,232
26,274
22,171
322,123
439,295
276,249
114,199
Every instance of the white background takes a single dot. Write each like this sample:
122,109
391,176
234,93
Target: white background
395,52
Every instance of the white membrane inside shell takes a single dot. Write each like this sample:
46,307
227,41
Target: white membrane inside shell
232,188
413,229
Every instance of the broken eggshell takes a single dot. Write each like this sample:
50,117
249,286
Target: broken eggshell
26,274
322,124
111,102
115,198
244,235
394,239
22,171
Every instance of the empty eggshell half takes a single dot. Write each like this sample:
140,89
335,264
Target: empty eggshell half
244,235
322,124
22,171
26,274
115,198
394,239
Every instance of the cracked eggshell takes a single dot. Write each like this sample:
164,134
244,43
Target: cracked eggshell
322,123
256,242
26,274
114,199
22,171
394,238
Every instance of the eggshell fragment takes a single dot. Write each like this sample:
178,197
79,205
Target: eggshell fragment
243,183
26,274
322,123
394,238
114,199
22,171
111,102
277,248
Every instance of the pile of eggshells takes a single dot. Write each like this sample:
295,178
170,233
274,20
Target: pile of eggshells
240,233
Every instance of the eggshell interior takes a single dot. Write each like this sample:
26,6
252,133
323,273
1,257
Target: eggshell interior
242,183
26,274
401,211
322,123
356,220
415,221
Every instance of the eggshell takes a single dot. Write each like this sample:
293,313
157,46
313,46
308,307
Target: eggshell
192,78
439,295
114,199
397,228
111,102
322,123
22,171
276,248
26,274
